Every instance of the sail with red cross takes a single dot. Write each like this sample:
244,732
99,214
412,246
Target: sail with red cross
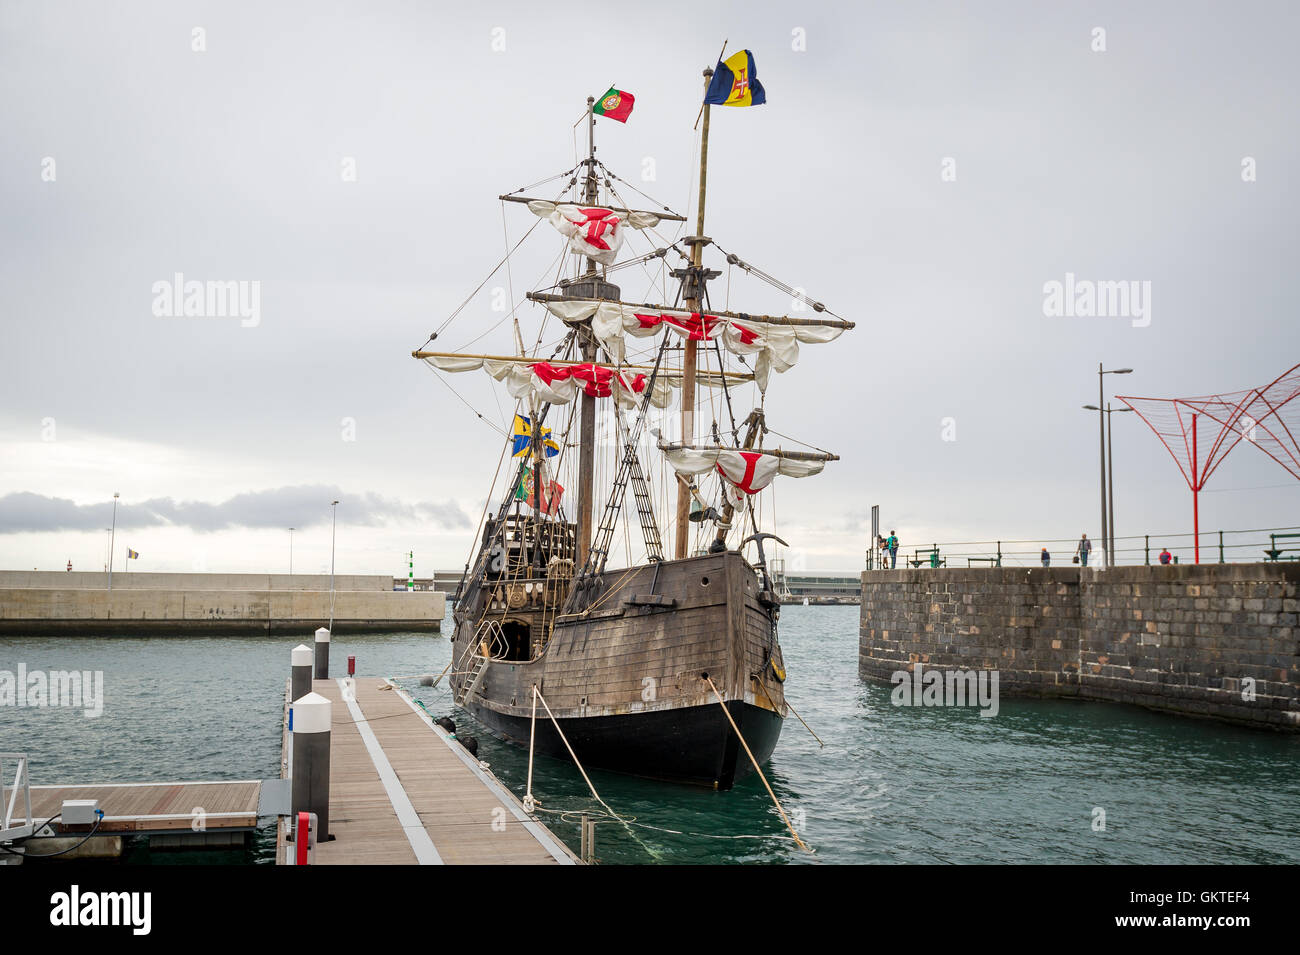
745,471
594,231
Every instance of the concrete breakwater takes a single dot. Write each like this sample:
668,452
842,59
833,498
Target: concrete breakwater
1214,640
51,602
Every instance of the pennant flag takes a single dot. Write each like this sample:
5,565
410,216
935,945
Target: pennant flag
615,104
522,439
735,82
132,554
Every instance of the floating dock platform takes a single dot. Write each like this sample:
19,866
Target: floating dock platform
404,792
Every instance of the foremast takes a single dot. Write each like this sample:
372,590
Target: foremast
589,286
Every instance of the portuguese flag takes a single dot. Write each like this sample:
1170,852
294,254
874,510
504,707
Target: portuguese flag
614,105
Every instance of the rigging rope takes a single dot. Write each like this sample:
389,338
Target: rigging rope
775,282
799,842
610,173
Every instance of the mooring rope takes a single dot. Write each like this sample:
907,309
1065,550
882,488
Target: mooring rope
790,706
574,756
529,802
757,769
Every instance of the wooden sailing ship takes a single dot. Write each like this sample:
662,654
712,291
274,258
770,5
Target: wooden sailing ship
633,663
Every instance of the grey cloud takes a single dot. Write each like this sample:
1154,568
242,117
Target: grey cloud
300,506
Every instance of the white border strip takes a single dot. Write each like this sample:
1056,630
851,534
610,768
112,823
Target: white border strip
539,832
416,834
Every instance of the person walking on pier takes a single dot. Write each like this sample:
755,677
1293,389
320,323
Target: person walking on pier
1046,558
1165,556
892,546
1083,550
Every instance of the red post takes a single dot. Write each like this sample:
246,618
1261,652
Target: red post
302,839
1196,487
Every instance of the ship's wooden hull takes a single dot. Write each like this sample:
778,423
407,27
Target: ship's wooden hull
694,745
626,678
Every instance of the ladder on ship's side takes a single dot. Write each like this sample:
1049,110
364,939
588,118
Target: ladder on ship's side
473,678
489,631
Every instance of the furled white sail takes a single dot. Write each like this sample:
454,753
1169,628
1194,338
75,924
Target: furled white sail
593,231
748,471
776,347
560,384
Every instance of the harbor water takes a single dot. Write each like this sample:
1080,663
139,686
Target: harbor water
1040,782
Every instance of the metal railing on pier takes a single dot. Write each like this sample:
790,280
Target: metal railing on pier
1221,547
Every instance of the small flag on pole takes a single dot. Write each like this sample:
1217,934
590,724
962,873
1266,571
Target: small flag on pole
615,104
132,554
735,82
524,436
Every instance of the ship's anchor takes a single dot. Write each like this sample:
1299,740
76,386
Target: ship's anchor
767,598
762,560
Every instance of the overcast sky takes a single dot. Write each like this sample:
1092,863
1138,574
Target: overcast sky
225,164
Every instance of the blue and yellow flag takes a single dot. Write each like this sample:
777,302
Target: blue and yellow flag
735,82
522,439
132,554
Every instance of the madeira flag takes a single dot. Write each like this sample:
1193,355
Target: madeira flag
522,439
735,82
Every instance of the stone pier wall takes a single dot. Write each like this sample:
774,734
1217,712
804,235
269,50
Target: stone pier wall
46,610
1198,640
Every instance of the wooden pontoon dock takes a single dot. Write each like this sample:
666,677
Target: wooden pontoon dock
403,792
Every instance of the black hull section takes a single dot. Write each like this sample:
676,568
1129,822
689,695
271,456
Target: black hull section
694,745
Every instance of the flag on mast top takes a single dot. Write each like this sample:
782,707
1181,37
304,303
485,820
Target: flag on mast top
615,104
735,82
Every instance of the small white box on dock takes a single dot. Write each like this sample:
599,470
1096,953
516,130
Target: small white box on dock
79,812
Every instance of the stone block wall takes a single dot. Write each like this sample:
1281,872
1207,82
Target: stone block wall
1190,639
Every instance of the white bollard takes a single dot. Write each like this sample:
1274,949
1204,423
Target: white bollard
300,671
322,654
311,760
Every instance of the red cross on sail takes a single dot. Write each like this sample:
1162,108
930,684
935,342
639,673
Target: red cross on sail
746,471
593,231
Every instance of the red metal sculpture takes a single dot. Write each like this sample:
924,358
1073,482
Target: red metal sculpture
1199,432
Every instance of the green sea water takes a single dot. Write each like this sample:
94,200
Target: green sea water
891,785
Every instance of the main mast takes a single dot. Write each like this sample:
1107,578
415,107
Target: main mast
693,279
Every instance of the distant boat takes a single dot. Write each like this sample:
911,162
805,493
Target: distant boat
805,601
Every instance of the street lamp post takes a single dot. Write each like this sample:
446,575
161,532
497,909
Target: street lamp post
112,535
1101,429
333,526
291,530
1109,544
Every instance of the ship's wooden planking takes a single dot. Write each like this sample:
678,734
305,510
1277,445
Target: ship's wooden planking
600,664
466,814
